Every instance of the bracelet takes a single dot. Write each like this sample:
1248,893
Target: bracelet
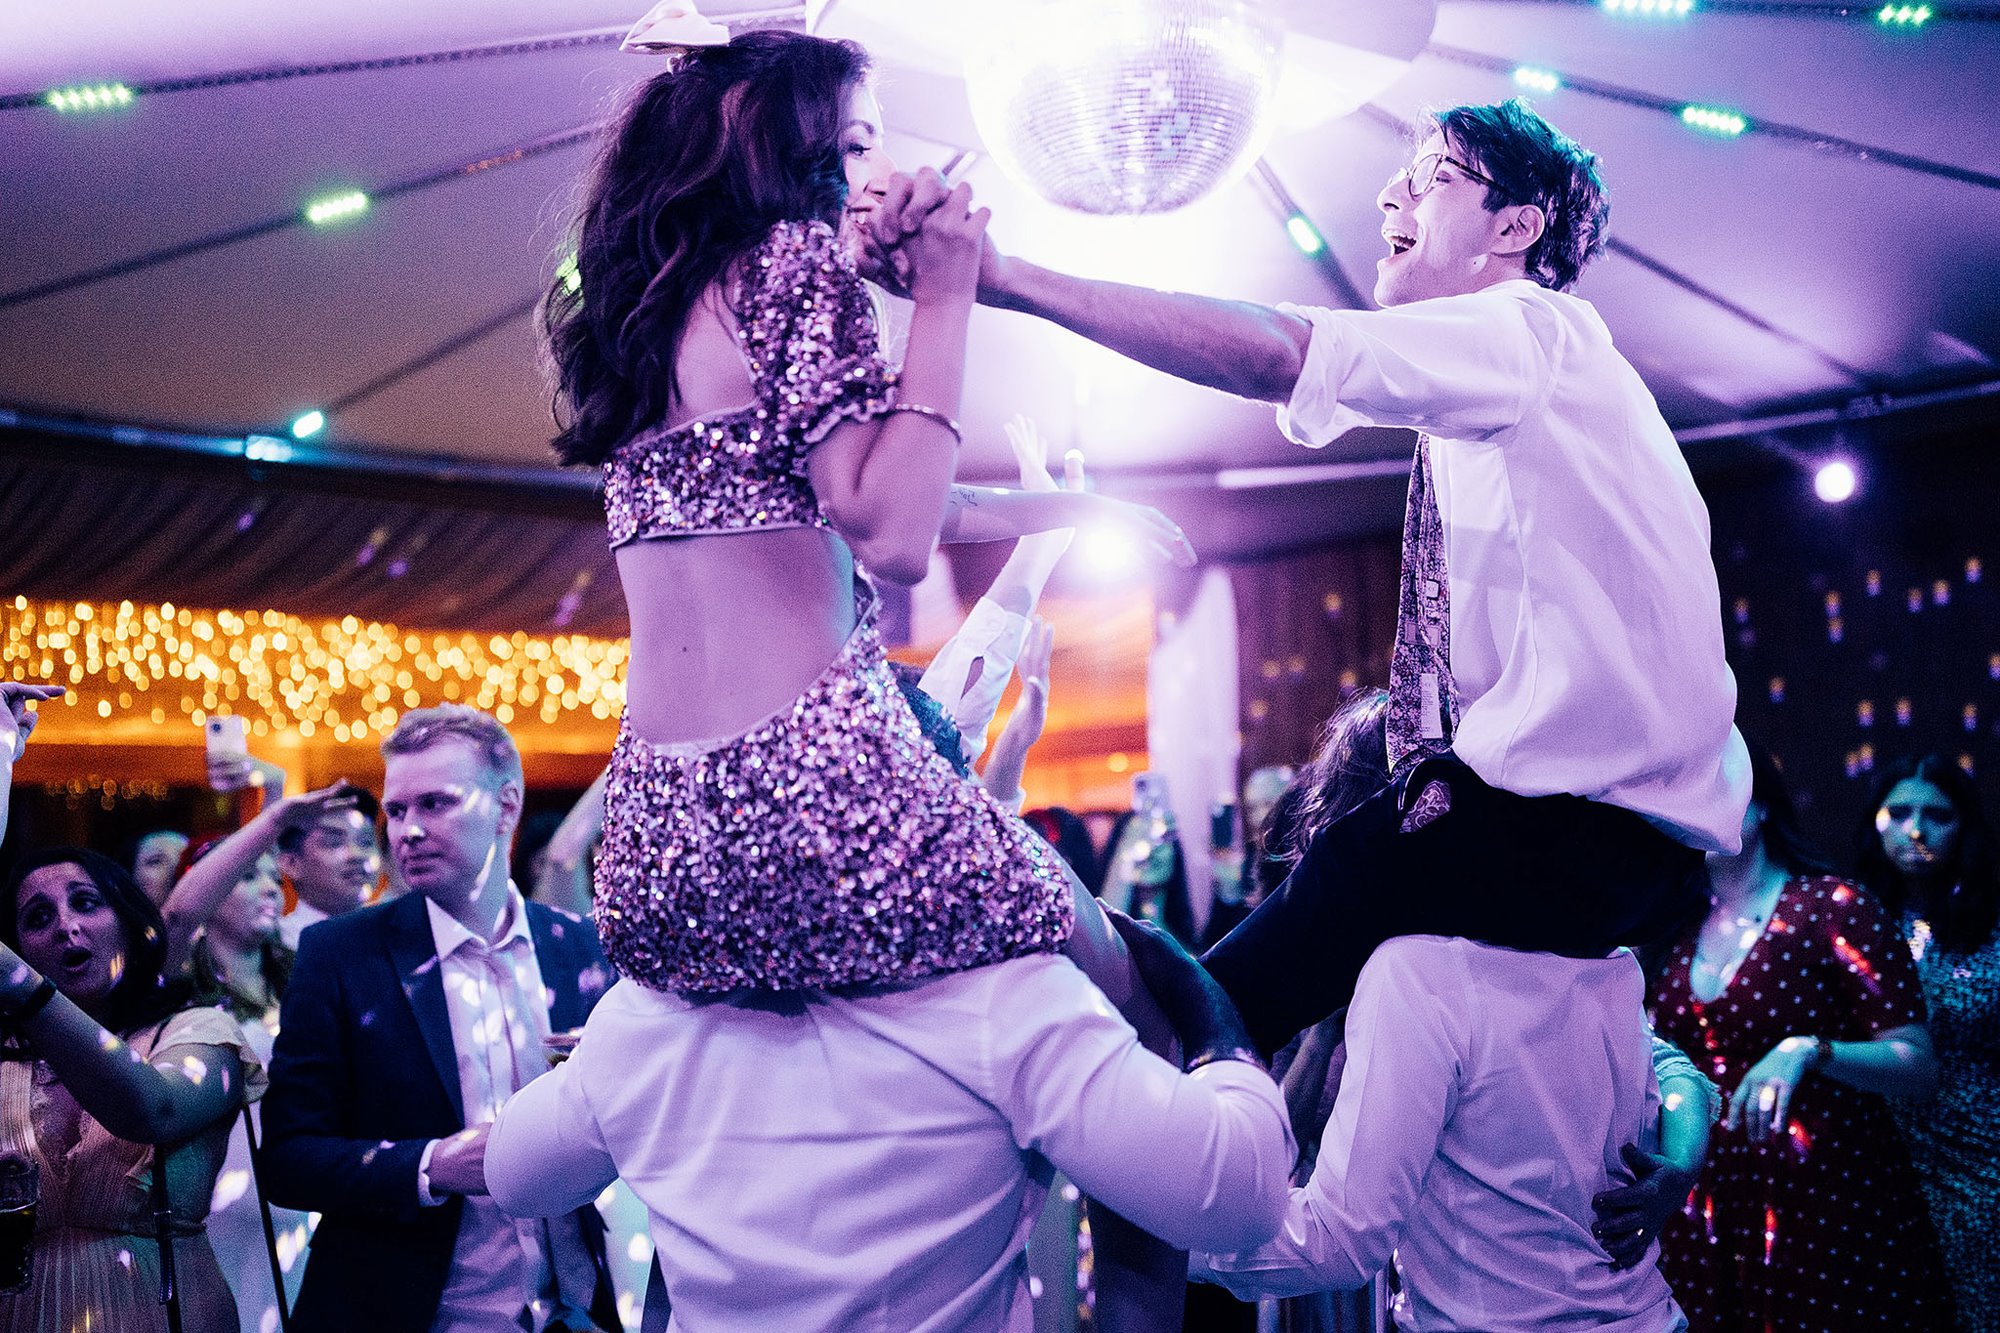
1822,1055
925,410
38,1000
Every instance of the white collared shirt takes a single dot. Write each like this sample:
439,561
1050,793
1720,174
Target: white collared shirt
293,923
876,1160
499,1012
1586,624
1486,1098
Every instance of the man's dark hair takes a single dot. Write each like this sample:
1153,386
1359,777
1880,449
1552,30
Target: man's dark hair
1532,162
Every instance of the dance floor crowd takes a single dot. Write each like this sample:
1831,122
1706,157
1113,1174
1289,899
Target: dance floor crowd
1527,1007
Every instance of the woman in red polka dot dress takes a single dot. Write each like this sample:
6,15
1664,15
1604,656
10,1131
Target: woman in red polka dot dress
1799,1000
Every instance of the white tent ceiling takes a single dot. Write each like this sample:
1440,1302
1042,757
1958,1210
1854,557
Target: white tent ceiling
1847,248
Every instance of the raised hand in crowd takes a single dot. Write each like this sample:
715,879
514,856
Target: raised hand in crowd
17,719
238,772
198,893
1025,723
17,723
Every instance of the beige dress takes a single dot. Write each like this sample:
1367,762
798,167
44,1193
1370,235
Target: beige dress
97,1262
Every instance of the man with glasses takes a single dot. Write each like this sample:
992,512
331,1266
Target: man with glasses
1560,718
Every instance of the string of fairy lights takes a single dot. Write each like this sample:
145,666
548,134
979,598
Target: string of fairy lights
345,679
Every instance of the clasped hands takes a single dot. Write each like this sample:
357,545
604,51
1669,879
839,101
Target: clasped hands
922,239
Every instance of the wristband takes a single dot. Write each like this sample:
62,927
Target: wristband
1822,1055
38,1000
1208,1055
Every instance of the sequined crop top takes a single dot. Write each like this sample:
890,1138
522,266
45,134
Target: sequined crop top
808,332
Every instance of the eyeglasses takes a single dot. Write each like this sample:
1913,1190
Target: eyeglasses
1422,174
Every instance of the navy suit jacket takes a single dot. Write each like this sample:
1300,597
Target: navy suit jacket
363,1076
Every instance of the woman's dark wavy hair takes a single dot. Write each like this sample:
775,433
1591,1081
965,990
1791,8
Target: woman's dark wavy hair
1350,764
1965,920
1535,163
1063,830
1785,843
706,159
144,994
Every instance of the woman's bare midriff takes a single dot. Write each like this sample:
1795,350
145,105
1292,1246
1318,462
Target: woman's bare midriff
727,629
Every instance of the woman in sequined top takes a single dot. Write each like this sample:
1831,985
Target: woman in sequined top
774,817
1927,852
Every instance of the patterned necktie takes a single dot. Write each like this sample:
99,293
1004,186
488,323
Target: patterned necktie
1423,704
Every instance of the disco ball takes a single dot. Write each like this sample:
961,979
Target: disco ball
1125,106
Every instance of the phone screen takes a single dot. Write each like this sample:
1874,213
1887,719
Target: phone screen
1222,825
225,737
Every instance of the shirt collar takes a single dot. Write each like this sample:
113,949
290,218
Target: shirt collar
450,935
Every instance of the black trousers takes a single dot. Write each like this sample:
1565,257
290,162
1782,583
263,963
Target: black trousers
1556,874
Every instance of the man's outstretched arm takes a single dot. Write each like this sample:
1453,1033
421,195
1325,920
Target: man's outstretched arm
1238,347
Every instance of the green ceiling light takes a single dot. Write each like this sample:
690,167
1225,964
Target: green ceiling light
1541,80
332,208
1652,9
308,424
1714,120
90,97
572,279
1304,235
1903,16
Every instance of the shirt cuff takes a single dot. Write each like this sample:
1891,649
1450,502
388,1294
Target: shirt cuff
1314,416
425,1199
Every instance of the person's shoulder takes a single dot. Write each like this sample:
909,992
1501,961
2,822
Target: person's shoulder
795,245
1418,964
362,923
1837,900
1019,996
565,929
559,920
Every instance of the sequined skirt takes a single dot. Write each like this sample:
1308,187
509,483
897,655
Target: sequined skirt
827,846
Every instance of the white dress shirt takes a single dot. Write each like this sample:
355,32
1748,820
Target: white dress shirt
992,638
1586,625
1486,1097
293,923
499,1010
876,1162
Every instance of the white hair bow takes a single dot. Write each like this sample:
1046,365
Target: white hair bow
673,27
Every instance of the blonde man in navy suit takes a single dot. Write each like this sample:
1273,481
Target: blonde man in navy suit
406,1027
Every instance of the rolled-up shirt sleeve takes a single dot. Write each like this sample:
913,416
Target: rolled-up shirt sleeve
1200,1160
1465,367
1396,1095
546,1156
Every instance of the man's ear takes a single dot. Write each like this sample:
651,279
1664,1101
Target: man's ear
1521,225
511,801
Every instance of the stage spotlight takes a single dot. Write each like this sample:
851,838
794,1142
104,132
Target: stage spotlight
1108,553
1835,481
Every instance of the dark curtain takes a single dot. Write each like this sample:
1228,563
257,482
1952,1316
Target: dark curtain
1312,628
407,552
